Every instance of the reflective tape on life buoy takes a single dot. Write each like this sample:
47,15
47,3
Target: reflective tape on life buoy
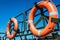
13,20
53,13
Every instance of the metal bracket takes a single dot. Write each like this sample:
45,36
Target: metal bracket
56,20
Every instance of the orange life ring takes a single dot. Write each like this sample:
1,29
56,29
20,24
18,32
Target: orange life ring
15,28
53,13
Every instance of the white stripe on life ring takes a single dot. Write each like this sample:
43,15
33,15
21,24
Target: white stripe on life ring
53,13
15,21
39,32
8,33
30,21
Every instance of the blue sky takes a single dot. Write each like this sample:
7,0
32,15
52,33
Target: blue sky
11,8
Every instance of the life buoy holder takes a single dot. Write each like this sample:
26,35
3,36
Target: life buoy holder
12,20
53,13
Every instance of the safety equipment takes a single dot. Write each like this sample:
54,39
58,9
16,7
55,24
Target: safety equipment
53,13
12,20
